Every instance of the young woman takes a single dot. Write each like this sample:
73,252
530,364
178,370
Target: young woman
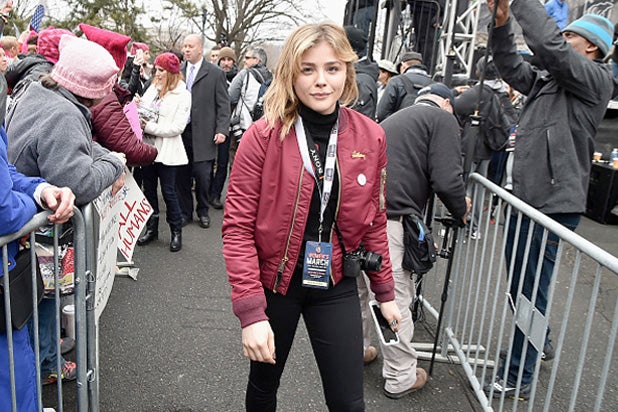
166,106
285,236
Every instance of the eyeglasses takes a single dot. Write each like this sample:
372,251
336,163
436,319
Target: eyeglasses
249,57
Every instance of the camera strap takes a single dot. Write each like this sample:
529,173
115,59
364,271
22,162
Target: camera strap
323,174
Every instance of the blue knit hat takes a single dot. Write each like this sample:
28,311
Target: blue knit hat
596,29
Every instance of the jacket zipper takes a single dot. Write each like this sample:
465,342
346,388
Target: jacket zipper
332,278
285,258
551,168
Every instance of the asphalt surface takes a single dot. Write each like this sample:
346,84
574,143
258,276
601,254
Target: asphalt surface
170,342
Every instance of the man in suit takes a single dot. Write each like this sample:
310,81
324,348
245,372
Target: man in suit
208,127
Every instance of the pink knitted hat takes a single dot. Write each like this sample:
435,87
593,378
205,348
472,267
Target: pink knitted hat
47,45
138,46
84,68
114,43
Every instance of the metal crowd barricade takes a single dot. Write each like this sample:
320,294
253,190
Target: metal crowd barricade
83,325
480,316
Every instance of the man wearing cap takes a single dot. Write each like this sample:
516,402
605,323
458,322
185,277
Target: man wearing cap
402,90
567,95
424,155
208,127
367,73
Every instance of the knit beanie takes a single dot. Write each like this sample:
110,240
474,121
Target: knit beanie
226,52
24,45
168,61
47,45
357,38
138,46
114,43
84,68
594,28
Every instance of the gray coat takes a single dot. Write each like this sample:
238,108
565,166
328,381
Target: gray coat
49,136
210,109
566,102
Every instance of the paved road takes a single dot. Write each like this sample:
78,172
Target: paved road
170,342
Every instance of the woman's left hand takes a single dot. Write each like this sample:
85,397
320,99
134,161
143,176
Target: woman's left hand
391,313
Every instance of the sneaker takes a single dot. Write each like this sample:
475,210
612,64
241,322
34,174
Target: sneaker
371,354
475,235
548,353
499,387
66,345
421,380
69,373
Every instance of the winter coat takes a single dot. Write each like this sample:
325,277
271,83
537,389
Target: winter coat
565,103
268,201
173,111
50,136
17,207
210,110
244,92
111,129
367,73
396,91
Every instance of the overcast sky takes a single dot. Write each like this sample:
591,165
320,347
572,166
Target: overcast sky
333,9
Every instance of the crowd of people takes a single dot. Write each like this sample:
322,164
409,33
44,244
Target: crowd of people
315,217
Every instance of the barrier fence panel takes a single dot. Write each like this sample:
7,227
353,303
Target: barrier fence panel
491,303
82,347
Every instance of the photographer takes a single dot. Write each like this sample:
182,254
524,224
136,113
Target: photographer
286,237
424,154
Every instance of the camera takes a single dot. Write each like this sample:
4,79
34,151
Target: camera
235,130
361,259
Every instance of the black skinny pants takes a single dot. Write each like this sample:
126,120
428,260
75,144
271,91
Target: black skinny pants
333,322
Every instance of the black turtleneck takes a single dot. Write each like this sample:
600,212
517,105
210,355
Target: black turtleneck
319,126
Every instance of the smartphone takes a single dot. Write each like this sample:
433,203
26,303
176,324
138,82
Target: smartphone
386,334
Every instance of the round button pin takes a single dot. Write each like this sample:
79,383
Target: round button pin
361,179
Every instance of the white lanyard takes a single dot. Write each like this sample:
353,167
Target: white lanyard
328,174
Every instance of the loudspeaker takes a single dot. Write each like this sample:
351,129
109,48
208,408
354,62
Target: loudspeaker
602,194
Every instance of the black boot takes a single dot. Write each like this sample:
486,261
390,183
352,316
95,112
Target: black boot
176,243
152,231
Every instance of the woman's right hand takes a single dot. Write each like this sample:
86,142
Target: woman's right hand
258,342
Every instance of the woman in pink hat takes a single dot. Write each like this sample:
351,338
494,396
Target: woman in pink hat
165,109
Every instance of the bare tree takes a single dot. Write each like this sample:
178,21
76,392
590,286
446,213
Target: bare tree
238,23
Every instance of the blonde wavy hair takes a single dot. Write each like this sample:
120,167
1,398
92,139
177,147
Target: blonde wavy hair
170,82
280,100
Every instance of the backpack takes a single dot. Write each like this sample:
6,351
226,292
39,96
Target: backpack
258,109
412,89
498,126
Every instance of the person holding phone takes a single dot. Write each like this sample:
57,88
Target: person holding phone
168,103
305,212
